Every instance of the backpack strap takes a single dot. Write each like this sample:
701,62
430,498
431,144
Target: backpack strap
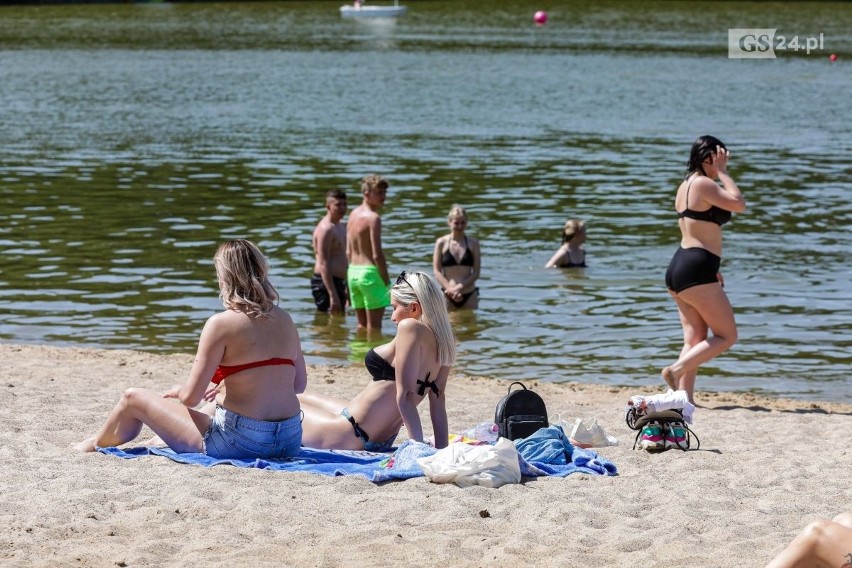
522,385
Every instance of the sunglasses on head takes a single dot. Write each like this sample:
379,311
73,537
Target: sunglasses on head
401,278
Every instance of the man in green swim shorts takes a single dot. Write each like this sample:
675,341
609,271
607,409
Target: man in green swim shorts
367,275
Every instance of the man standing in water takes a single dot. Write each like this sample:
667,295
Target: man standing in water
328,284
368,271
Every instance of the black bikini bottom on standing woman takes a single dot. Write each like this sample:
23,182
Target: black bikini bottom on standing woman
692,267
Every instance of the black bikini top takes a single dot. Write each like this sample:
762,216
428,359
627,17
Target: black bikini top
381,370
713,215
378,368
448,259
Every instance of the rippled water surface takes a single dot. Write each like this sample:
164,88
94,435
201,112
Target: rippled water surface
136,137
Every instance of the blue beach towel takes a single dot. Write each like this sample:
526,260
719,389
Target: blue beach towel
376,467
549,452
545,459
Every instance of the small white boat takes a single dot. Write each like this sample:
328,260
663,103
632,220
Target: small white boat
358,10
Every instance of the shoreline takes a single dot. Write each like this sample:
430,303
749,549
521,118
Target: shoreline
765,469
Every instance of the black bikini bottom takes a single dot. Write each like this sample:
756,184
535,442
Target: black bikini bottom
464,298
692,267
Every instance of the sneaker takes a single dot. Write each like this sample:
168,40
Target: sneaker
676,437
652,437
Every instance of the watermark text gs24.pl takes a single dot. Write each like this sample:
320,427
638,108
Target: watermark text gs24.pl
763,43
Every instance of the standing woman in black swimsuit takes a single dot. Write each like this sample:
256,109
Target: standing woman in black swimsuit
693,278
413,366
456,262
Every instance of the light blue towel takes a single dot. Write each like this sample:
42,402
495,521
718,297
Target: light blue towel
376,467
549,452
543,454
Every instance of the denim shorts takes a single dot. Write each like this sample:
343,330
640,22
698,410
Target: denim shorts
231,435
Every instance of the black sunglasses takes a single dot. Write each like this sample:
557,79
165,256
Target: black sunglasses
401,278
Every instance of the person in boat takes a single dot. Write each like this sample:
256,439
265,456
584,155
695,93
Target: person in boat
571,253
414,366
693,279
252,346
456,262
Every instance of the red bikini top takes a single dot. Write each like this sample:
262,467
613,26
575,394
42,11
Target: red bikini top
225,371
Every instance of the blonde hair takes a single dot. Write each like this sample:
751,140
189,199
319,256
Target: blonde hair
572,227
243,274
457,211
421,288
373,181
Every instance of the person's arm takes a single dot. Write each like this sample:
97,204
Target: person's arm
728,196
438,264
211,349
300,382
557,256
324,241
477,263
438,411
407,363
378,253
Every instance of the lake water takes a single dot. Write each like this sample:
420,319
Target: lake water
137,137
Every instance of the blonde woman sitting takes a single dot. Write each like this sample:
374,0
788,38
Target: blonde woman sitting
571,254
254,346
413,366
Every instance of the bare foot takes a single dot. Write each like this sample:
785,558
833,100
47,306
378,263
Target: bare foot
669,377
87,445
154,441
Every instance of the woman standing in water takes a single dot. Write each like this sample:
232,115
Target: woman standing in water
693,278
456,262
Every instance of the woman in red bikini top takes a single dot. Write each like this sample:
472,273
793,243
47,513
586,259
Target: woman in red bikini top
254,348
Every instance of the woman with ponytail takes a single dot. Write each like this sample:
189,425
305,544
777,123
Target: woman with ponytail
414,366
693,278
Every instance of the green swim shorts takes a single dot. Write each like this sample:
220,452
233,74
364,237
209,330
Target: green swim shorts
366,289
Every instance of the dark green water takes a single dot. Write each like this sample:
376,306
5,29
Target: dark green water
136,137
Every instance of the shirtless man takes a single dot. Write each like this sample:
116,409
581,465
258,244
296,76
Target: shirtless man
369,283
328,284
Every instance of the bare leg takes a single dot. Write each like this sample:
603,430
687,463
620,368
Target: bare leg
822,543
361,316
178,426
701,308
374,320
323,429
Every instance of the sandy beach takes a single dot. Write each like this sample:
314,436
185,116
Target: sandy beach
766,468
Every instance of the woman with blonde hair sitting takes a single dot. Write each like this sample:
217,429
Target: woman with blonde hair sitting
413,366
254,346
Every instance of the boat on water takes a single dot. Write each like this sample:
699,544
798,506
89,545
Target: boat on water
359,10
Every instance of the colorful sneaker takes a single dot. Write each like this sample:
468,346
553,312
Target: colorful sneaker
676,437
652,437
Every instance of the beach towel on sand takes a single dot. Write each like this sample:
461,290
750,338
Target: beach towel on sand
378,467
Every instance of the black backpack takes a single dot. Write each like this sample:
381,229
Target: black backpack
520,413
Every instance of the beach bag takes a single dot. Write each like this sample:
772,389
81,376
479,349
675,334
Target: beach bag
520,413
661,431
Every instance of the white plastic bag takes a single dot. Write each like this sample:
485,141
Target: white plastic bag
589,433
466,465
